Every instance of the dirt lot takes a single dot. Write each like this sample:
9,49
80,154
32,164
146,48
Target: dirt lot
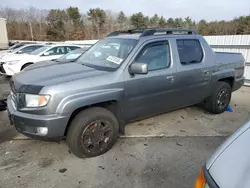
164,151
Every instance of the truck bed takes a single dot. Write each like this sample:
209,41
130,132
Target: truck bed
229,58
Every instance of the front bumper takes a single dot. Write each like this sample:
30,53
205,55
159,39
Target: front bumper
28,124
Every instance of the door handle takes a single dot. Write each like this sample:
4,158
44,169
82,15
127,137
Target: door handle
170,78
206,72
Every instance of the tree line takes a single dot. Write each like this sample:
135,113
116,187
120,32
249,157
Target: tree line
70,24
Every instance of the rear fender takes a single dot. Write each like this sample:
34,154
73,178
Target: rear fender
226,73
222,74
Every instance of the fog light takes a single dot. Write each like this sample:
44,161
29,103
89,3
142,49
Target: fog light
42,131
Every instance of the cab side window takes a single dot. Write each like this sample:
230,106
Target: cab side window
56,51
156,55
190,51
71,48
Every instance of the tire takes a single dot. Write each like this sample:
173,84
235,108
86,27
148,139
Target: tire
3,104
89,122
213,104
26,65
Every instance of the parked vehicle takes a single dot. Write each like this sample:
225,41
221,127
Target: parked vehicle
149,72
67,58
229,165
13,65
15,46
24,49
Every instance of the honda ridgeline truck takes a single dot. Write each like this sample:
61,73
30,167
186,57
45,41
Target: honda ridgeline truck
125,77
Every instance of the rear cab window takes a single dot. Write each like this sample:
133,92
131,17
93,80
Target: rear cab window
190,51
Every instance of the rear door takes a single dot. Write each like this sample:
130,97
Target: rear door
190,79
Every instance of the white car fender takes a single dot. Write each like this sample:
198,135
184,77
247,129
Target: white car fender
230,164
22,60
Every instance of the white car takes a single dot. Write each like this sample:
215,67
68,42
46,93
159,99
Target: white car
23,49
14,64
229,166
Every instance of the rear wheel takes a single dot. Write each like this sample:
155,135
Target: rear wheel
92,132
220,98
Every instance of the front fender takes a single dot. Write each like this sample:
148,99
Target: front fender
72,102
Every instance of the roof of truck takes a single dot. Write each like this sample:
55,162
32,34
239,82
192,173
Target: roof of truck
132,36
152,33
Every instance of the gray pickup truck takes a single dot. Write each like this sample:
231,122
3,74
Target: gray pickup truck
125,77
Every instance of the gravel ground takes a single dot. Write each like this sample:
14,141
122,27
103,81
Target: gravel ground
138,163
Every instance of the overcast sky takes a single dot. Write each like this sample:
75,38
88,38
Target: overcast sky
196,9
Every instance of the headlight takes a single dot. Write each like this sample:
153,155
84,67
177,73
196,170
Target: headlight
12,62
36,100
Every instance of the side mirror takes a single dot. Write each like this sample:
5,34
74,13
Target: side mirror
20,52
138,68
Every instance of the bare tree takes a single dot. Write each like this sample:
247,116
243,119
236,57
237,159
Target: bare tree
69,24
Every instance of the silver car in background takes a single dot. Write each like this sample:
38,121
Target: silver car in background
229,167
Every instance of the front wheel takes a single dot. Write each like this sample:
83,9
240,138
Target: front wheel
92,132
220,98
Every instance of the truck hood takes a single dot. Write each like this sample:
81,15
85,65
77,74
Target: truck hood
230,164
32,81
41,64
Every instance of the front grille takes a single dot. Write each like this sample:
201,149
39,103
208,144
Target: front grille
1,68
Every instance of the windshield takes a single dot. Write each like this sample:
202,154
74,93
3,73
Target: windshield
108,53
72,56
39,50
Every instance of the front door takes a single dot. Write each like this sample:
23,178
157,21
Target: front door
53,53
150,94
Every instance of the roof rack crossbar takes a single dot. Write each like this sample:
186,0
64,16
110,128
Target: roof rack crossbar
168,31
152,31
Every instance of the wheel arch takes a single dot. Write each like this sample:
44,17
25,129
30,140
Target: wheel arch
111,105
230,80
26,64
